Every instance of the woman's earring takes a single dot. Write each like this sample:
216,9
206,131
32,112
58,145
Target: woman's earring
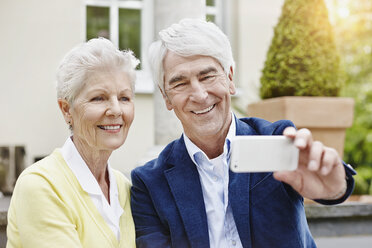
69,125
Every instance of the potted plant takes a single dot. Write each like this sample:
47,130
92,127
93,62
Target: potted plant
302,78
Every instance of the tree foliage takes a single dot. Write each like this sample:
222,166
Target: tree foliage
354,40
303,59
353,35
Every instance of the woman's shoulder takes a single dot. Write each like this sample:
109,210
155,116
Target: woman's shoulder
43,172
121,179
48,165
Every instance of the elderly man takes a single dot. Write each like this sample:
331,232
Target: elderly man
188,197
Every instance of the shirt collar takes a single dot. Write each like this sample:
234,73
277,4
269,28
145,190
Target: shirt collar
82,172
195,151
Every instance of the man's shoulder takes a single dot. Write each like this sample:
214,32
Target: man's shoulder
258,126
159,164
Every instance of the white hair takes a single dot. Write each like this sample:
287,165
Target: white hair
187,38
85,59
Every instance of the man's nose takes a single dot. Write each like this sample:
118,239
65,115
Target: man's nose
198,91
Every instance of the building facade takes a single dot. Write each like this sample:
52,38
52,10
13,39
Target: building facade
35,35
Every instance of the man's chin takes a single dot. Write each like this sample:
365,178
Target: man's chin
204,133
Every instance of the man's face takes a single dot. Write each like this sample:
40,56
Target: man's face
198,91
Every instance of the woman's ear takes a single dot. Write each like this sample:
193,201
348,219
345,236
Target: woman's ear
65,108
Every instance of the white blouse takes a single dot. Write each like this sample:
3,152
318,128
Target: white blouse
110,212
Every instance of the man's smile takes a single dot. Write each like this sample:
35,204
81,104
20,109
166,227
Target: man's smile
203,111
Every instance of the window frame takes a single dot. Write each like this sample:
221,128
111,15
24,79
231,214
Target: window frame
144,84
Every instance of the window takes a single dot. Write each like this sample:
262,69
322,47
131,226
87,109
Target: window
130,30
127,23
98,22
214,12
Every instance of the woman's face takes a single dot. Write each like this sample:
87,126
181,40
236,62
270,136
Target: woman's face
103,111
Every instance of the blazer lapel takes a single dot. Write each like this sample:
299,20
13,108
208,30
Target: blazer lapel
184,183
239,185
239,202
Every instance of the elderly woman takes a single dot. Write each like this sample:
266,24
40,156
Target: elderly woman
73,198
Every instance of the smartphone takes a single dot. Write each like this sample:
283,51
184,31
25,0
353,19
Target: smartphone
261,153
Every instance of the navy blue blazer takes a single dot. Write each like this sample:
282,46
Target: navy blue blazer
168,207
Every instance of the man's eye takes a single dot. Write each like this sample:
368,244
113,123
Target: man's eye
97,98
125,99
207,78
178,85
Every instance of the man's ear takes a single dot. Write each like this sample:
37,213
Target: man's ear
168,103
65,108
231,82
231,73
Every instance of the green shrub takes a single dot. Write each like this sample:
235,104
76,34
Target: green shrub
361,186
363,181
354,40
302,59
358,145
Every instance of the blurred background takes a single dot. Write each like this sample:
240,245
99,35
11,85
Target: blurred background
35,35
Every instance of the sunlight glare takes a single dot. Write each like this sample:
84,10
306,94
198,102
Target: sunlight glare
367,49
343,12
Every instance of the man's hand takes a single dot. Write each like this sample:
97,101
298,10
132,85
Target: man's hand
320,173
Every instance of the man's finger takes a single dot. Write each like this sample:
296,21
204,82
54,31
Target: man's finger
330,160
290,132
303,138
315,156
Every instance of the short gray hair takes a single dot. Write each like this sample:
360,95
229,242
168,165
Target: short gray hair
187,38
84,59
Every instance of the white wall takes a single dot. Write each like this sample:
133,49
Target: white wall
254,28
35,35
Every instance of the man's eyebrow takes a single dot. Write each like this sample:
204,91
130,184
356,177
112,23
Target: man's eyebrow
176,79
207,70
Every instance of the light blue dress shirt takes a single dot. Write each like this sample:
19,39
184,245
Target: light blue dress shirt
214,178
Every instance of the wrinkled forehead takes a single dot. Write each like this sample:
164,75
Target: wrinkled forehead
177,65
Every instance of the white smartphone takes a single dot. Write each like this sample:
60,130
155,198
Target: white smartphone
261,153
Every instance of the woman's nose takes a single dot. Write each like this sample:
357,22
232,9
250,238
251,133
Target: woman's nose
114,108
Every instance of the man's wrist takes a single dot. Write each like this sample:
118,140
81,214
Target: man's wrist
339,194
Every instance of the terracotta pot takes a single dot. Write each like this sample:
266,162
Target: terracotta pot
326,117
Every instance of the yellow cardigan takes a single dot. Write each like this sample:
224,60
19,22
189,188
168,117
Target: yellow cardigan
50,209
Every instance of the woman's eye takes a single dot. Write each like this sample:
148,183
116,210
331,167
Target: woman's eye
124,99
